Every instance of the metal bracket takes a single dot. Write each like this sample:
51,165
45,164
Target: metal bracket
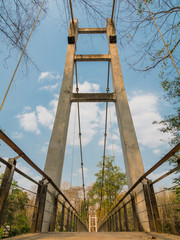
71,39
112,39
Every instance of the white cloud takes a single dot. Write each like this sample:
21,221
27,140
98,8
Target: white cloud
45,148
144,109
49,87
87,87
89,118
49,76
17,135
41,117
156,151
44,116
29,122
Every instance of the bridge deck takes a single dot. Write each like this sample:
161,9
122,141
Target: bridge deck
96,236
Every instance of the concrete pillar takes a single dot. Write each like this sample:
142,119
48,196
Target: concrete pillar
55,156
131,152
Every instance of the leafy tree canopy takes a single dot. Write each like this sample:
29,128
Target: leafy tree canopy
114,181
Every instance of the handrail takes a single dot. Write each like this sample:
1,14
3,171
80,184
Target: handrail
13,146
159,163
18,171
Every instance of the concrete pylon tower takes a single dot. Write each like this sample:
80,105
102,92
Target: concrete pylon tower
56,150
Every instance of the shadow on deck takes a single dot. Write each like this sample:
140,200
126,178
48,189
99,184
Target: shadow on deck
97,236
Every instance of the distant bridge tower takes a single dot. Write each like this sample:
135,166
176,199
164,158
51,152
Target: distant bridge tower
56,151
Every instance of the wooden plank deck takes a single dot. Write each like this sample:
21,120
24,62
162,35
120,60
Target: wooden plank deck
96,236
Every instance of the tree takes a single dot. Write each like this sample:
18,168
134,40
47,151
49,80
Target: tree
15,211
75,194
114,181
171,123
16,20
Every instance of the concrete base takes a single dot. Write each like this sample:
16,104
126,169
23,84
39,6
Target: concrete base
97,236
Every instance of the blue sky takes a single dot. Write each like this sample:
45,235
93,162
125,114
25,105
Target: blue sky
28,113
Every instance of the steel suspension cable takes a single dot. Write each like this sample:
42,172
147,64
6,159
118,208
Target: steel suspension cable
169,52
112,15
22,54
70,4
80,140
105,140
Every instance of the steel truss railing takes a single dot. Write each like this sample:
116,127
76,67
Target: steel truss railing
70,218
124,215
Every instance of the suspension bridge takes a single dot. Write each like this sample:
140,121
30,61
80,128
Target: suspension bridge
137,214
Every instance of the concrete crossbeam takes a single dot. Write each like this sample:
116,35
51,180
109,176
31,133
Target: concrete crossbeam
93,97
93,58
91,30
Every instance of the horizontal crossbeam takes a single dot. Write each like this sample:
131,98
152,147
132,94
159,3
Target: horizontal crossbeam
91,30
93,58
93,97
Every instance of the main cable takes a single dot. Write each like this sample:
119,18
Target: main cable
22,55
80,140
112,16
169,52
105,140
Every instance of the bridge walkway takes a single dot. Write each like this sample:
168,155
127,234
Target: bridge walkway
95,236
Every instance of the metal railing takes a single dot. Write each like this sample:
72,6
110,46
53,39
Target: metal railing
69,219
125,214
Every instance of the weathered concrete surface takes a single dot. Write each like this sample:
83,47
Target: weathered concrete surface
132,157
56,150
96,236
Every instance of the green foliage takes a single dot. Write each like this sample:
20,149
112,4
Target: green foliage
15,210
171,123
114,180
20,224
84,211
1,231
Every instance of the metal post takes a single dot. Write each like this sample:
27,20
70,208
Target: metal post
71,221
76,226
125,218
67,221
134,212
62,217
74,223
116,220
36,208
112,222
109,219
5,186
154,206
148,207
120,221
41,207
107,227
